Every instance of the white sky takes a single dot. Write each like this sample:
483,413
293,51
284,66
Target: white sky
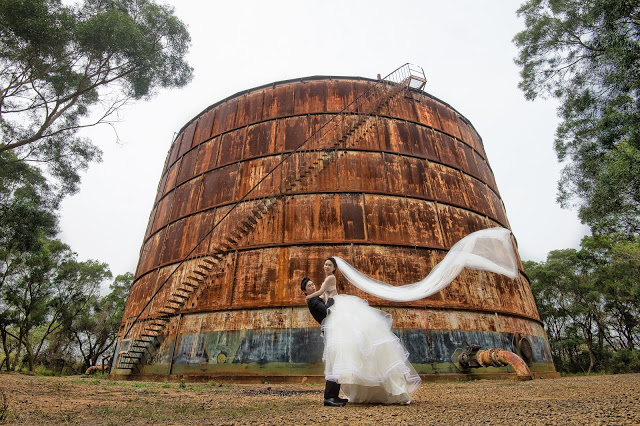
464,47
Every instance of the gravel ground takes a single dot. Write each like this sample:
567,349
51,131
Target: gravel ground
74,400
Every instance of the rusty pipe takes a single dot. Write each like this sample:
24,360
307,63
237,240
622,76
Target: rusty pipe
473,357
500,357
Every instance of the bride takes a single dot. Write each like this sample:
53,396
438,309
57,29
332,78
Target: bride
361,353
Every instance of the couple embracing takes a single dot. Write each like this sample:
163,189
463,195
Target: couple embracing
361,354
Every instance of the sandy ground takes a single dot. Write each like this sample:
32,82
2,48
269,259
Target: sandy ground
33,400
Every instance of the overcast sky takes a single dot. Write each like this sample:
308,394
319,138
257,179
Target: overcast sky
464,47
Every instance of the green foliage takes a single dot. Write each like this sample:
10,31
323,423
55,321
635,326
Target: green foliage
49,290
59,62
589,301
43,371
95,328
586,54
625,361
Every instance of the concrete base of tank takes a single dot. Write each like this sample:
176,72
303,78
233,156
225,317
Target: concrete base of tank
198,348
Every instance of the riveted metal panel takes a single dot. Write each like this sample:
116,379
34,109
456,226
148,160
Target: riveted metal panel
363,171
217,294
172,175
467,160
291,133
479,197
173,241
219,186
395,220
314,218
196,228
187,166
278,102
404,107
207,156
139,294
260,139
173,152
256,172
204,127
250,108
422,142
448,120
395,137
307,261
427,114
187,139
231,147
310,97
457,223
163,212
369,141
256,278
407,176
149,254
269,230
447,185
161,186
394,265
466,132
225,117
340,93
186,198
447,150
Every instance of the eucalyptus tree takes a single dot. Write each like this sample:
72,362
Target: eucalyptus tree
65,67
587,55
50,290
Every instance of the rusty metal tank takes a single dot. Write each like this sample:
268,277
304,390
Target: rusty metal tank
392,203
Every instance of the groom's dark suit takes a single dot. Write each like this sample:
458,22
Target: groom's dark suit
318,310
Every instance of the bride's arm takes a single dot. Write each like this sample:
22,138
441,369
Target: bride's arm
323,287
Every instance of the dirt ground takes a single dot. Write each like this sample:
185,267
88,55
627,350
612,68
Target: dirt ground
34,400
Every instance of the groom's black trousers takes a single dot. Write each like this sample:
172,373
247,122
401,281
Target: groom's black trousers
319,311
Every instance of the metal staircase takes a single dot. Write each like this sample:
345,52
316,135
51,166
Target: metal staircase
143,336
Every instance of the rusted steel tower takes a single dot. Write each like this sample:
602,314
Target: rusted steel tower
262,186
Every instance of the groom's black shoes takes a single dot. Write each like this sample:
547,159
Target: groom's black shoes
334,402
343,400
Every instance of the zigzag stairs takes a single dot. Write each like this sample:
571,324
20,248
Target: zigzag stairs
198,269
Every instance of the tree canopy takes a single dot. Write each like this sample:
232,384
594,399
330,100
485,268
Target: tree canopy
587,55
589,302
67,67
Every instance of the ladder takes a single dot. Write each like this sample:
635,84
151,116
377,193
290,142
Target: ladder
143,336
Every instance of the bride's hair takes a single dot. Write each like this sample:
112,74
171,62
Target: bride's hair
335,265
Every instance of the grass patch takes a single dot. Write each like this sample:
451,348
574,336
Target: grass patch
41,371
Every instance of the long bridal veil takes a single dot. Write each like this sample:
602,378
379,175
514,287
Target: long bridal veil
488,250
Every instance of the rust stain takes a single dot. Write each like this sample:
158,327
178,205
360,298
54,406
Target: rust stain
393,203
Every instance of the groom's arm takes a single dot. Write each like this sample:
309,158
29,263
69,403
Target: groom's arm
317,308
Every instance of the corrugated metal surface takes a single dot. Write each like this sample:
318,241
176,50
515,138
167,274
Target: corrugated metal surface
392,204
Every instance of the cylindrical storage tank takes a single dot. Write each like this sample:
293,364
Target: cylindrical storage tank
392,203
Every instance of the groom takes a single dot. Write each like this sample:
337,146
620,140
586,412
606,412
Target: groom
318,310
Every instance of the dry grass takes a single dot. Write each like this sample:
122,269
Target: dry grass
38,400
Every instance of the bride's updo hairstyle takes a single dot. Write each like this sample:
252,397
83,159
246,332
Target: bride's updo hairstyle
335,265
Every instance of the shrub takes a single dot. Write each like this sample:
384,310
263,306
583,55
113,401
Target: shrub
625,361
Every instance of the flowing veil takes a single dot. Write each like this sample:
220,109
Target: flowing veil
488,250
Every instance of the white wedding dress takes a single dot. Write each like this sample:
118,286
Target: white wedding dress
362,354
